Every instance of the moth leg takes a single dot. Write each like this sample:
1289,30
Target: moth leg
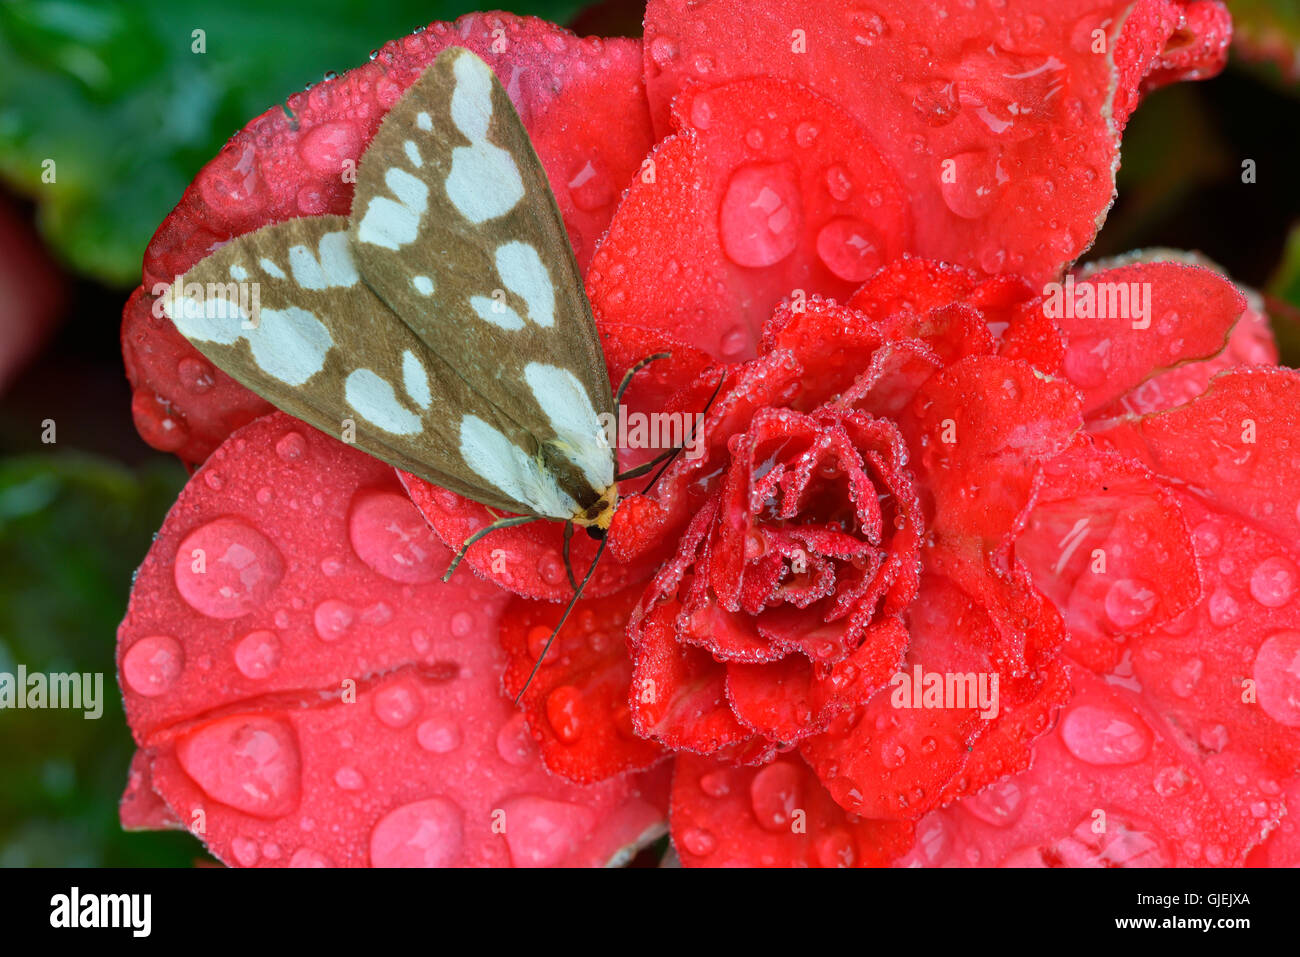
627,376
673,453
499,523
645,467
568,566
563,618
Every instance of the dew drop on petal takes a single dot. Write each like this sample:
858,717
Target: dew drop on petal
515,743
226,568
251,763
439,735
1277,677
1273,583
390,535
397,704
697,841
1129,602
151,666
849,249
291,446
428,833
542,833
257,654
1101,733
760,218
333,619
775,795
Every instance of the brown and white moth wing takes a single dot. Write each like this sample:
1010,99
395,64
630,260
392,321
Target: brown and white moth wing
455,227
283,311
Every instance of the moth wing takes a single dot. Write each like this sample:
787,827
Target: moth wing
454,226
284,311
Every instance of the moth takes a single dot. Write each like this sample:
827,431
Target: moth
443,322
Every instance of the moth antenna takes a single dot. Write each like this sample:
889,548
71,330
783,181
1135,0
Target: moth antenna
677,451
499,523
627,376
600,550
568,565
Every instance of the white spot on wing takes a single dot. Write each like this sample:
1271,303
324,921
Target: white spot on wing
413,154
423,285
524,274
376,402
270,268
484,181
238,273
567,406
288,344
394,224
505,466
496,312
332,267
423,122
415,380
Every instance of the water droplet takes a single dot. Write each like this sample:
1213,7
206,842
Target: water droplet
246,852
195,375
257,654
1277,677
542,833
970,183
1129,602
349,779
462,623
390,535
439,734
805,134
1207,539
1169,781
775,794
225,569
838,182
1273,582
251,763
716,784
306,857
893,754
291,446
754,138
662,51
426,833
697,841
1186,677
333,619
849,249
551,569
761,215
590,188
151,666
397,704
836,849
1222,607
515,742
1101,733
1000,804
563,706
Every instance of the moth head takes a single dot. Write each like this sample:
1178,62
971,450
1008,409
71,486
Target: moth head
596,517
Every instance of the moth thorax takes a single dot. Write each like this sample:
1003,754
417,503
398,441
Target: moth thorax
595,518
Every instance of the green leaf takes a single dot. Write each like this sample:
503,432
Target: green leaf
72,529
113,93
1267,33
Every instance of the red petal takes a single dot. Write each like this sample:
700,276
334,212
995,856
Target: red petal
582,101
983,427
1112,786
1232,445
1012,105
319,583
766,189
1186,313
1109,546
577,705
778,815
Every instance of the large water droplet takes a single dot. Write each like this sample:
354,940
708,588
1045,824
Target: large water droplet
390,535
225,569
397,704
563,712
152,665
440,734
333,619
970,182
999,804
849,249
515,742
1273,583
760,218
775,794
1129,602
1101,733
257,654
251,763
291,446
1277,677
697,841
590,188
542,833
428,833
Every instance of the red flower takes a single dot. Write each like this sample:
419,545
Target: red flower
924,474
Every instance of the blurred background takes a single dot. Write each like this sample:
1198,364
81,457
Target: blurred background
111,90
